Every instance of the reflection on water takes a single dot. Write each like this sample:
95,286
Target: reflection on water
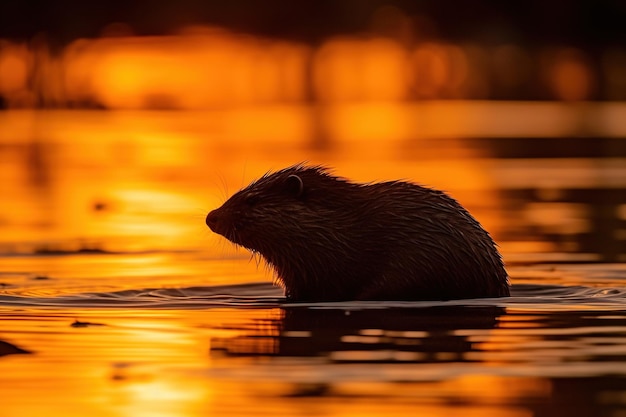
547,351
119,181
115,299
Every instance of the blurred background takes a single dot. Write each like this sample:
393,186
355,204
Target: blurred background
124,123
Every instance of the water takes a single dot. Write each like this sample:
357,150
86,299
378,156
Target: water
116,300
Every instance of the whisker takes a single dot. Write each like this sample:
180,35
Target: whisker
243,175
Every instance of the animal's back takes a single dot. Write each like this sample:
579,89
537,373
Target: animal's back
402,241
433,248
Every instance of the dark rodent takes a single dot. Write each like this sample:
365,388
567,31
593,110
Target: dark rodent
330,239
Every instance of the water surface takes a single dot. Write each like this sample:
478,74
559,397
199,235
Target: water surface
115,299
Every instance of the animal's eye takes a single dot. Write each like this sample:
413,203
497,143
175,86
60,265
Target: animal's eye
295,186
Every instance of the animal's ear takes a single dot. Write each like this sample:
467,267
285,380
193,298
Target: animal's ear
294,185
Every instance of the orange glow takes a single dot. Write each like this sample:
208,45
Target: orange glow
13,69
157,363
570,75
134,180
349,69
129,367
438,70
15,64
210,68
195,70
133,307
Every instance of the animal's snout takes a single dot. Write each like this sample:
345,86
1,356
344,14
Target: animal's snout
212,219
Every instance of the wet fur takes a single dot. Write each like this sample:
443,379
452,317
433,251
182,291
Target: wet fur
330,239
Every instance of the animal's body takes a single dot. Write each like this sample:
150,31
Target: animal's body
330,239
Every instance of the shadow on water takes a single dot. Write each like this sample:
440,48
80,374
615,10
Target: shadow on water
432,334
369,335
582,397
577,356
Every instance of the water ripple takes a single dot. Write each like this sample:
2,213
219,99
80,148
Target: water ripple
265,295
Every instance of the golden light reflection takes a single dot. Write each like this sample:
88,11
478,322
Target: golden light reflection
145,180
161,398
115,368
59,276
475,395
